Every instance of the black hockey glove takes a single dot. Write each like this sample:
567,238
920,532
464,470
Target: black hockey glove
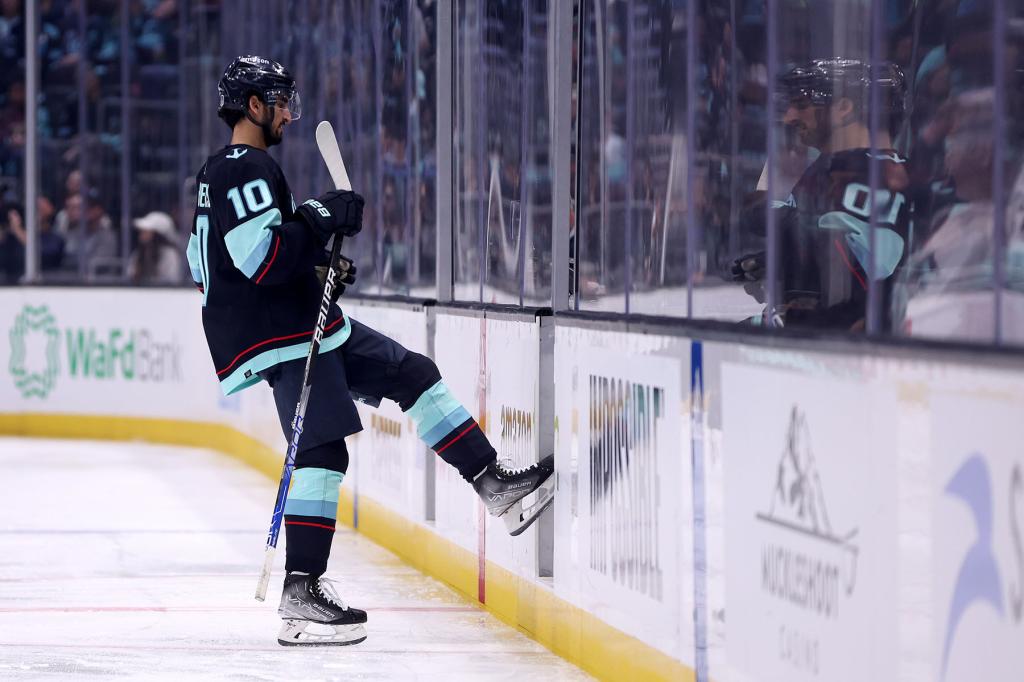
336,212
749,268
346,275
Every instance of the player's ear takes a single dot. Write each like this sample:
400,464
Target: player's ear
844,108
255,105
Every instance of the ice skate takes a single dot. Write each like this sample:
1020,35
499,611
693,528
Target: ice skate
517,496
314,614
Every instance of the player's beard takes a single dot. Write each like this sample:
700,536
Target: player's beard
822,133
270,138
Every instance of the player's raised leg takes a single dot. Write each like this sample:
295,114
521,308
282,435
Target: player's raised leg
379,367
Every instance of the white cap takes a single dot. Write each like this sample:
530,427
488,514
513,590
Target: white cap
156,221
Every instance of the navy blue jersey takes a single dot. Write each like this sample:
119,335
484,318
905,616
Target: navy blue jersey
825,234
253,260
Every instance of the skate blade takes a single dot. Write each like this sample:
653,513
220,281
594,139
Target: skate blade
519,517
311,633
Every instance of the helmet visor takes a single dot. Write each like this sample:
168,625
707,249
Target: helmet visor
288,100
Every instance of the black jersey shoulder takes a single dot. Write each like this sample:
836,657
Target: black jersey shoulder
859,159
241,162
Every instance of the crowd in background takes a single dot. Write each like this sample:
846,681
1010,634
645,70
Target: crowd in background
79,53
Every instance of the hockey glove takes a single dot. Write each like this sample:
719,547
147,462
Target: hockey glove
336,212
346,275
748,268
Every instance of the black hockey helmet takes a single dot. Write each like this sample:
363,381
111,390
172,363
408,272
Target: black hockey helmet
819,81
254,75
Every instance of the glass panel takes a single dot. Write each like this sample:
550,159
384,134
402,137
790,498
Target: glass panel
536,187
422,83
12,149
80,126
114,147
503,197
397,243
839,183
1011,277
468,153
654,35
732,116
631,246
357,109
154,140
504,109
602,161
950,287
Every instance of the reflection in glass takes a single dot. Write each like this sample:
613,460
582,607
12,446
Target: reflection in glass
502,235
825,222
965,279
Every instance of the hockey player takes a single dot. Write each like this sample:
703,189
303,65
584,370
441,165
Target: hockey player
824,224
253,254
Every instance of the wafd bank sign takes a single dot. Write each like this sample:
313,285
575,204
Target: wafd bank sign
55,349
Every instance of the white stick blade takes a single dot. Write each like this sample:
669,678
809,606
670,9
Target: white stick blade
328,143
268,566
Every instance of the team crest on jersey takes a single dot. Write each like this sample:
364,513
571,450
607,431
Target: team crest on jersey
236,153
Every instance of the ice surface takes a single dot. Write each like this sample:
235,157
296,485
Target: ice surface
137,561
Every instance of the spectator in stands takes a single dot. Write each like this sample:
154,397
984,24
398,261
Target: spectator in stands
12,244
154,26
157,258
68,217
51,244
73,183
14,238
947,291
12,130
92,246
12,41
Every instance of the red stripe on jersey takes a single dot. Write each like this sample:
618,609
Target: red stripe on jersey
849,266
277,243
278,338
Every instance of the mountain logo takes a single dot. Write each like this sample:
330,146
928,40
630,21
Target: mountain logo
809,560
35,326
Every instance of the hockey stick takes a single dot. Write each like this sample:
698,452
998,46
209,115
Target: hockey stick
336,165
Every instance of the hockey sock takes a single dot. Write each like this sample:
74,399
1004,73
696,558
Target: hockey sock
445,425
309,518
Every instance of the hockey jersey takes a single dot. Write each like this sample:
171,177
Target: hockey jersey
253,260
825,237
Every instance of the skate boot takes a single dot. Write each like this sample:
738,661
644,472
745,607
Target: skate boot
507,493
314,615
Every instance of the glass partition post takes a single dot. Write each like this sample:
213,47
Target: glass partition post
31,154
127,143
998,166
629,189
693,238
85,180
771,267
443,140
560,63
874,115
